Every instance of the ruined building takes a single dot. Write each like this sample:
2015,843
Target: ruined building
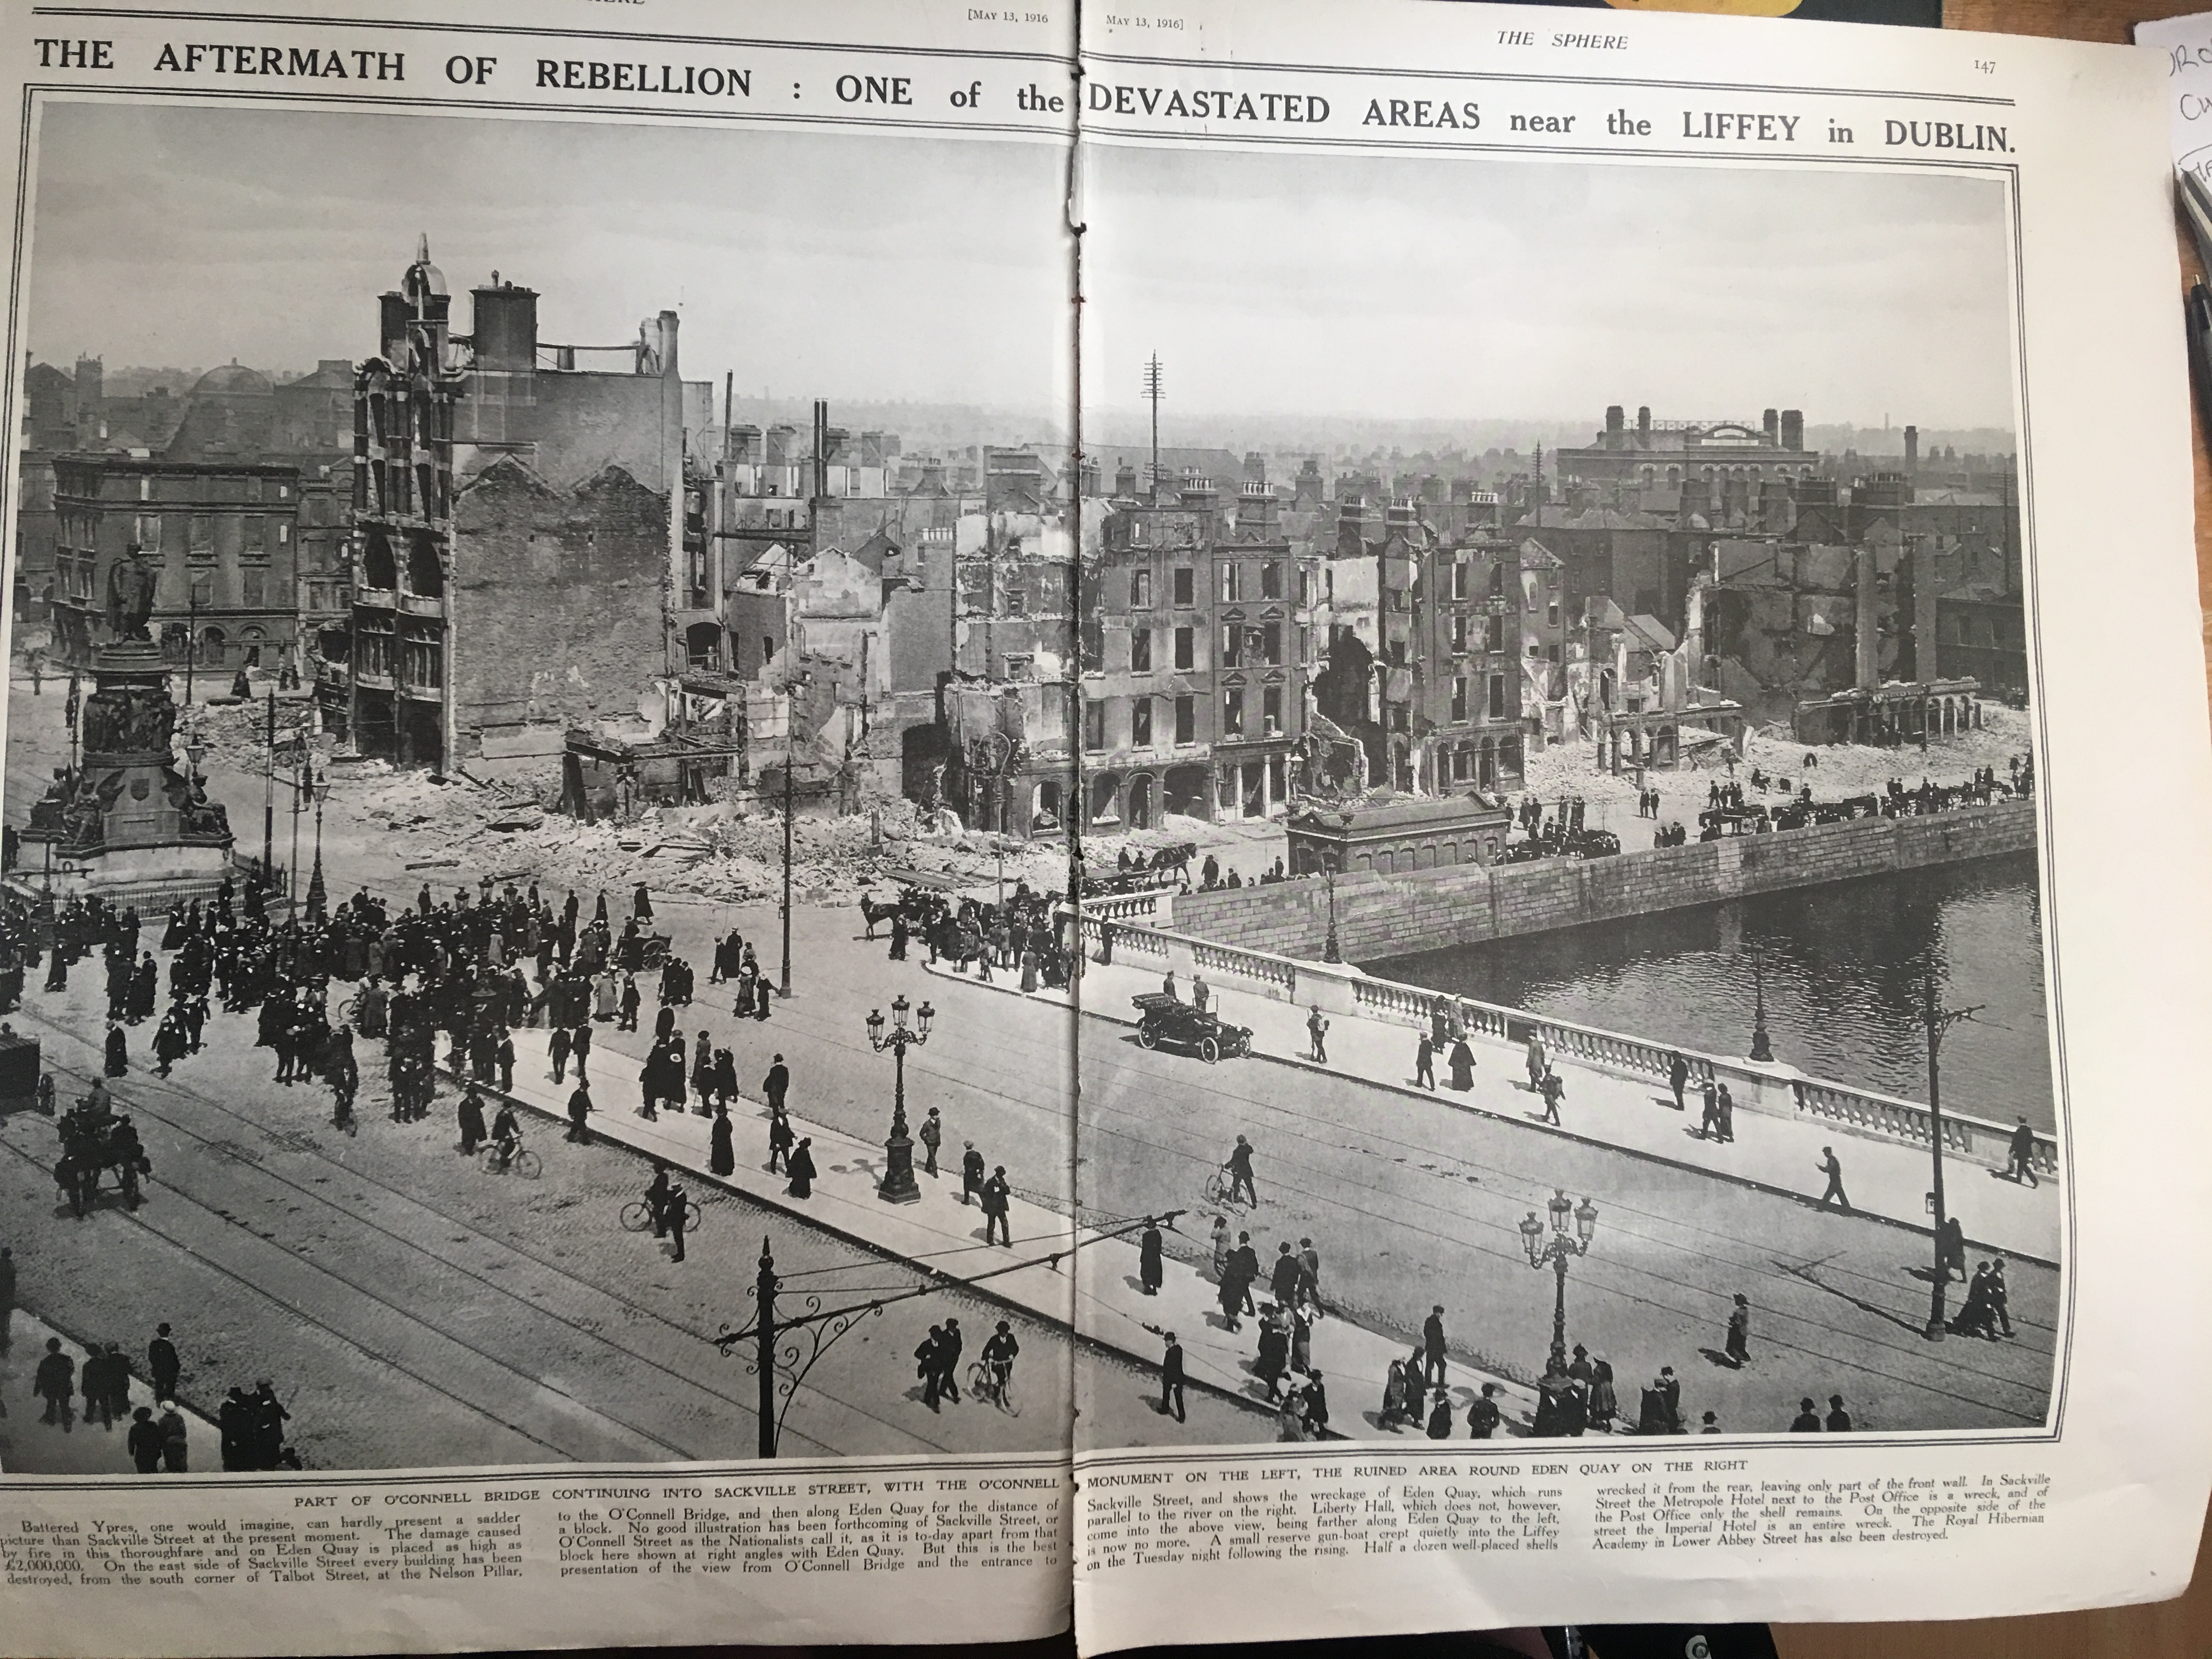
1193,665
521,523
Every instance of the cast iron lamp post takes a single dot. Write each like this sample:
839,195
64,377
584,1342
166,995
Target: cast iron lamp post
898,1185
318,895
1556,1251
1761,1050
1331,949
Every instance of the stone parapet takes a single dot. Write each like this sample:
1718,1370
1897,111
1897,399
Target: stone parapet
1379,917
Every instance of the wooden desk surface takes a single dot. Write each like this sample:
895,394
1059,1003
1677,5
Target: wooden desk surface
2182,1626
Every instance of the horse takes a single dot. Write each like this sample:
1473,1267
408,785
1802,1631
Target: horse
1174,859
871,912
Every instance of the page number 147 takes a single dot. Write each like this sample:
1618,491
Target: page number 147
1986,65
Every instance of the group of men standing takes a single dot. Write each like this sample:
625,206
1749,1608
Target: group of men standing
156,1439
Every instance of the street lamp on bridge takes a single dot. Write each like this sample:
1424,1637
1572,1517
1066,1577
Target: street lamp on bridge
898,1185
1761,1050
1565,1243
1938,1020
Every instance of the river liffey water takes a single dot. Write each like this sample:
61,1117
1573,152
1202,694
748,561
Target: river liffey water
1843,968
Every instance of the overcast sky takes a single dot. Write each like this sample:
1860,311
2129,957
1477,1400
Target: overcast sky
812,264
1278,283
855,266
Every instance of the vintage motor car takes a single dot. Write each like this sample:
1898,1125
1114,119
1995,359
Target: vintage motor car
1170,1022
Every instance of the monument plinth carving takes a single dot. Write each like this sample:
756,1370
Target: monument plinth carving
127,817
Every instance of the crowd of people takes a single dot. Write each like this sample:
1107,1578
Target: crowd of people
1016,936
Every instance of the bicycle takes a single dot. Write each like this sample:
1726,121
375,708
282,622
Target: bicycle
987,1382
637,1215
522,1161
1220,1185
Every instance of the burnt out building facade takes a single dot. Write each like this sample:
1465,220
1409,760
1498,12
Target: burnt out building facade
1193,666
1664,455
521,521
1450,672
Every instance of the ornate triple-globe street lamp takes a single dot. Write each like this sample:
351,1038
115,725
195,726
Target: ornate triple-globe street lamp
898,1185
1573,1226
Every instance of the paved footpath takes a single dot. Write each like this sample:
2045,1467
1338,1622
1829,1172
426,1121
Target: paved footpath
1884,1180
1103,1295
31,1446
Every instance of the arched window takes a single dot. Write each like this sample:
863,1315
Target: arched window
377,568
701,641
426,573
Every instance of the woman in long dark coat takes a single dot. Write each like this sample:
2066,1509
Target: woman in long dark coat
1148,1257
1604,1398
722,1153
1462,1066
145,990
802,1170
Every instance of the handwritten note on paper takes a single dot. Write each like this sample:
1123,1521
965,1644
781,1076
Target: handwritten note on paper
2187,43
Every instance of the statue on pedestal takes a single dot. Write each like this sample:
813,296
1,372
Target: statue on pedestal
129,596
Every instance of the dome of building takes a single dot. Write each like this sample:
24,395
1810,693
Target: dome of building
432,280
231,380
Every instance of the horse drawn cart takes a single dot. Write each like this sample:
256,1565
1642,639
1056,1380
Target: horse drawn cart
98,1149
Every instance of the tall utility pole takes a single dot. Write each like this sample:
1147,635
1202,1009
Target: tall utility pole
790,763
1153,394
269,798
1938,1021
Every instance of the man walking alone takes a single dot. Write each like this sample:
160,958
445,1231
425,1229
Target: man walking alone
1832,1167
1317,1031
997,1228
1171,1378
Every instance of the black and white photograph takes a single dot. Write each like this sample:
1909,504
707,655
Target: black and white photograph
929,822
712,887
1564,624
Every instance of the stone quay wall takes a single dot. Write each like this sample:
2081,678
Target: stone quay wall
1379,917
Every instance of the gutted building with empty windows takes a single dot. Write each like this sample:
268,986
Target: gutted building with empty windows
1194,657
522,517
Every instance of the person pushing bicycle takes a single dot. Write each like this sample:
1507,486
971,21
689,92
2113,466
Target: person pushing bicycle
998,1357
1238,1166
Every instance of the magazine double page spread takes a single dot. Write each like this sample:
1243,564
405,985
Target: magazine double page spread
883,823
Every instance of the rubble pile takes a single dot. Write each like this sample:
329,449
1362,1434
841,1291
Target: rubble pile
472,829
236,734
1571,769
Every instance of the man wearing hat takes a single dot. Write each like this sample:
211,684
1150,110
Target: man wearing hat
1171,1378
971,1172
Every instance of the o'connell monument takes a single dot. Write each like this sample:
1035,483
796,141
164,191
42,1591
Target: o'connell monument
126,822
